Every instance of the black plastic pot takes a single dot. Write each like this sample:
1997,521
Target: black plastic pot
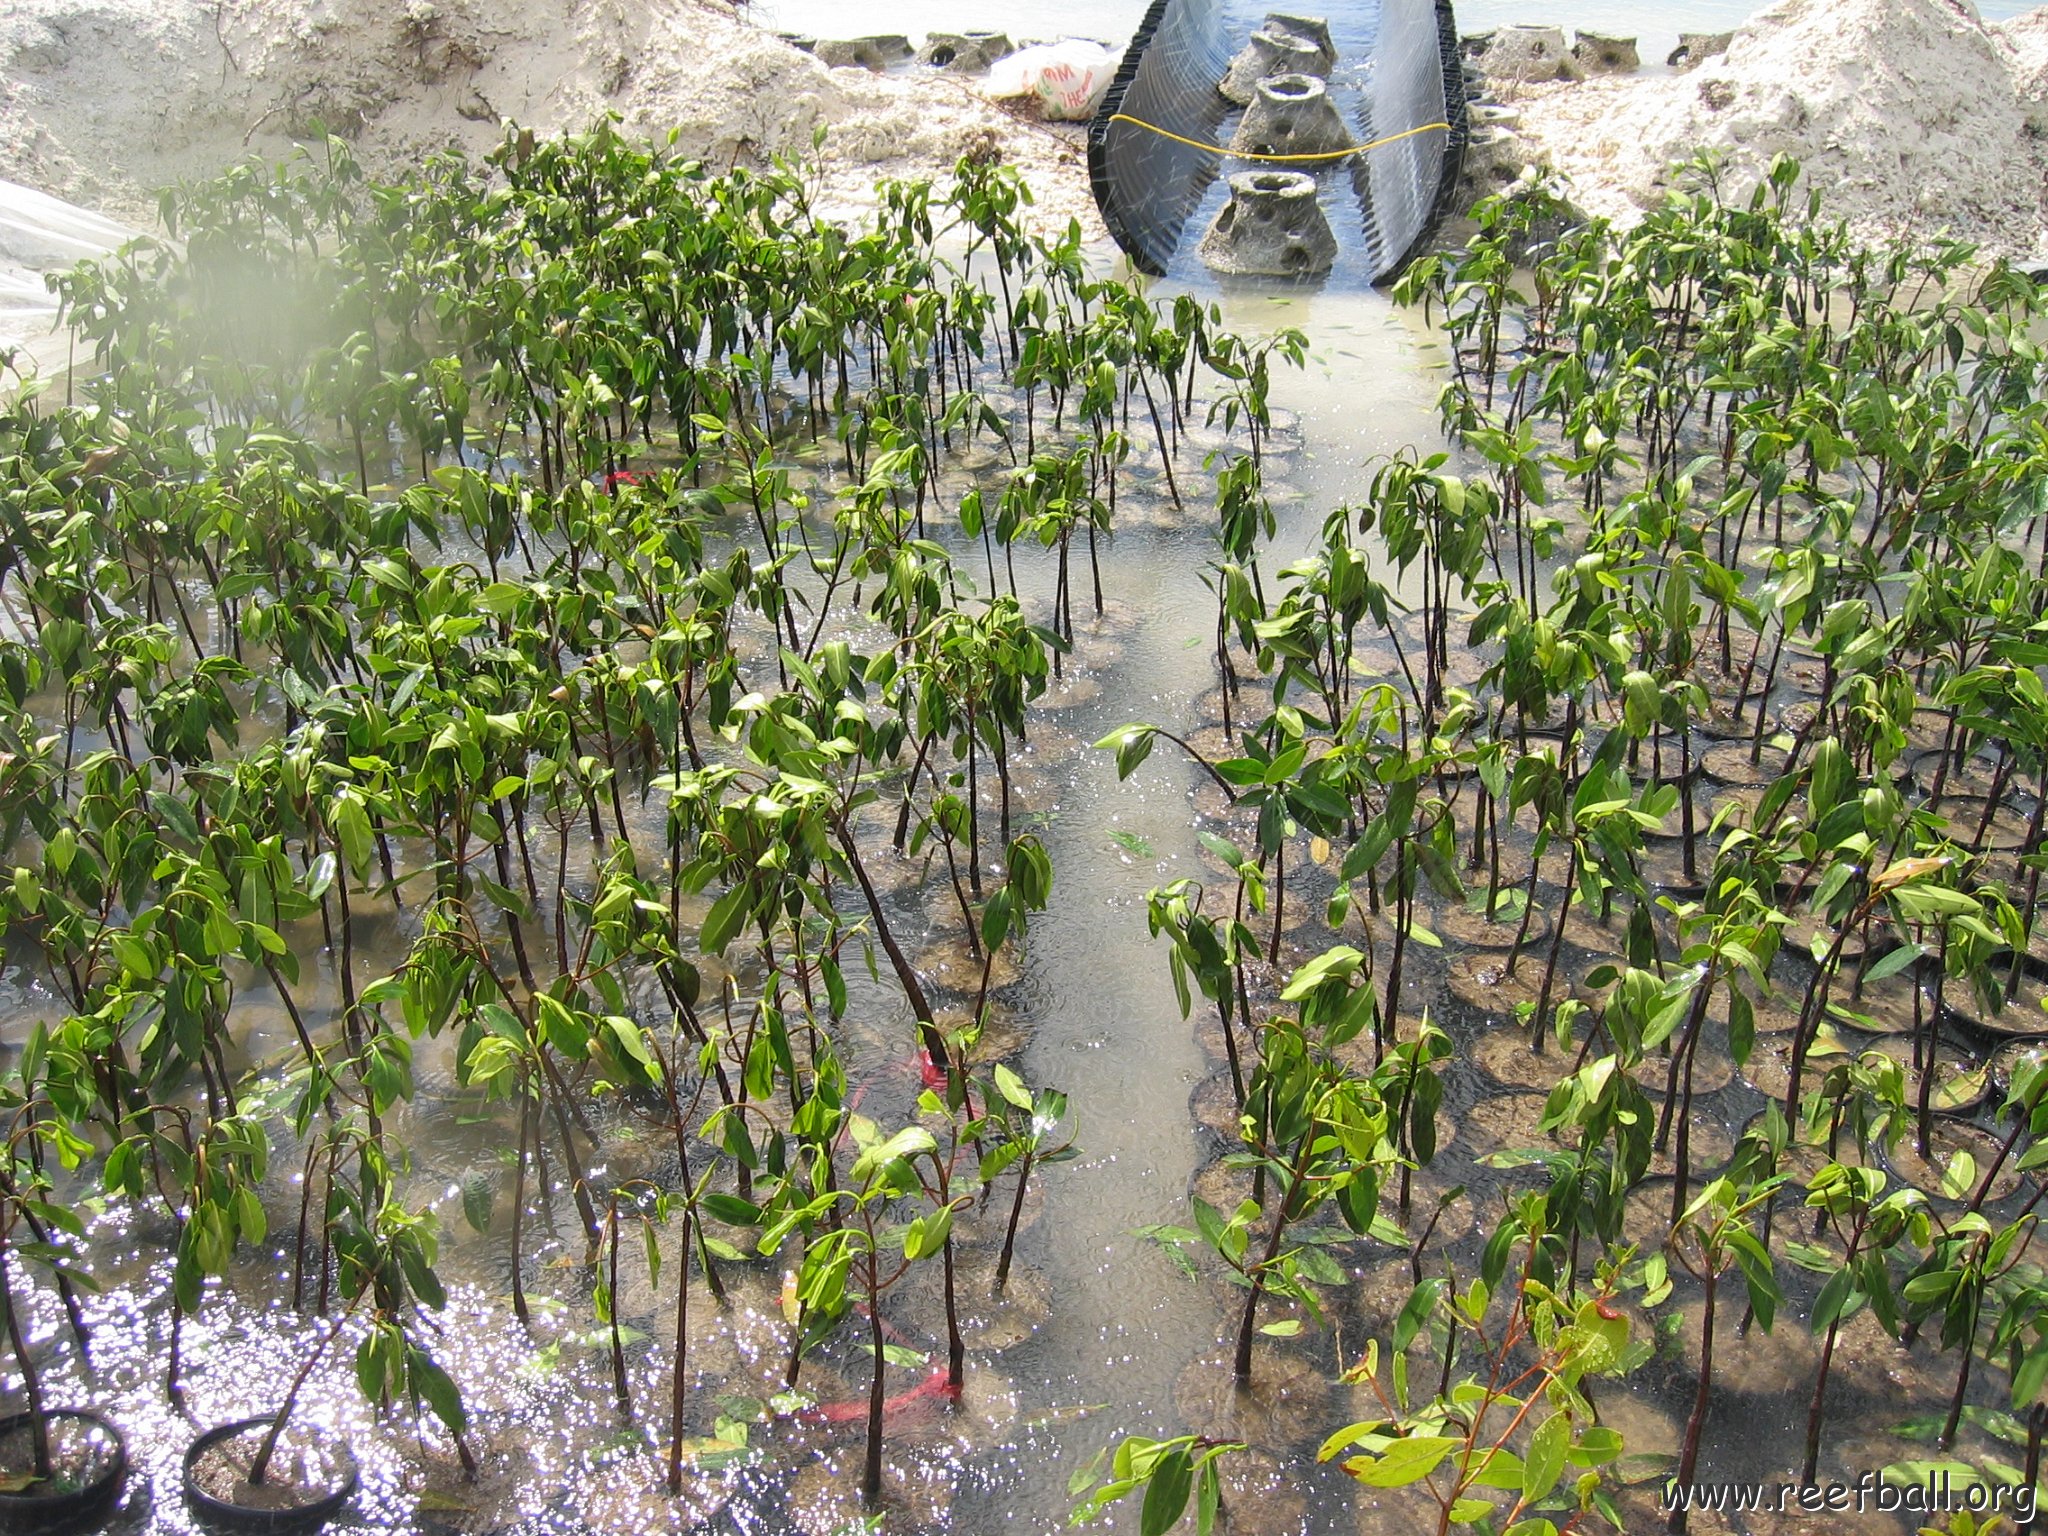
38,1514
220,1515
1729,764
2020,1019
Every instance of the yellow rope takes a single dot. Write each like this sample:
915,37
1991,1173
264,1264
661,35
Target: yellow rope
1238,154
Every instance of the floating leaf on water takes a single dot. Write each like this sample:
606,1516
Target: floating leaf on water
1927,1427
1507,904
1132,844
1646,1467
479,1193
1961,1089
1068,1415
711,1454
1960,1176
1957,1475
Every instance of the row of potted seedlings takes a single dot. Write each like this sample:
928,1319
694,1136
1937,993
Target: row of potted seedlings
541,656
1664,760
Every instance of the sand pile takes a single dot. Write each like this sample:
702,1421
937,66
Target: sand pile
102,101
2026,39
1910,116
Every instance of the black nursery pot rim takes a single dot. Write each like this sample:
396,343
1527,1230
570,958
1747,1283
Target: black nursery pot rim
220,1514
27,1512
2016,1022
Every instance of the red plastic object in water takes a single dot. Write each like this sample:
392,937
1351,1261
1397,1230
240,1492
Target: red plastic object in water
932,1385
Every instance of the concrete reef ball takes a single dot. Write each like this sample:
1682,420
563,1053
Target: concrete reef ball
1598,54
1291,115
964,53
1695,48
1283,45
1271,227
1526,54
871,53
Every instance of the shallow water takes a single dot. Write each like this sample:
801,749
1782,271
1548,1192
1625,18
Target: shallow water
1121,1348
1124,1323
1118,1352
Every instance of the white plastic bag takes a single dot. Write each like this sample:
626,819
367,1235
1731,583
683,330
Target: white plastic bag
1068,78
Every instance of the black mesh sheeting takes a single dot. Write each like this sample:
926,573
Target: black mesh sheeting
1145,184
1397,69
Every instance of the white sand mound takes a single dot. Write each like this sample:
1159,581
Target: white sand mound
1911,116
103,101
2026,39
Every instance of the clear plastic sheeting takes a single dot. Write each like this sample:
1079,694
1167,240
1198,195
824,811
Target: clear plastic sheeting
40,234
1405,185
1397,78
